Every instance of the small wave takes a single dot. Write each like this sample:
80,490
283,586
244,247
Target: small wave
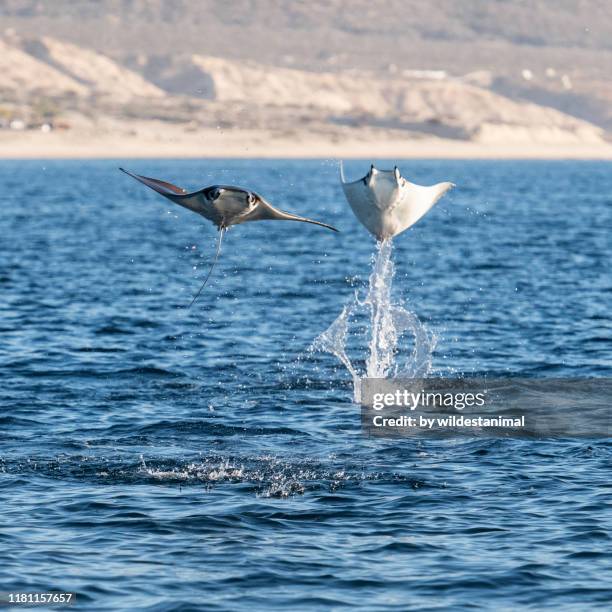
99,349
112,330
151,371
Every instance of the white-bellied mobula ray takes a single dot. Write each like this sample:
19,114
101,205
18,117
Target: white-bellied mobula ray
224,205
386,203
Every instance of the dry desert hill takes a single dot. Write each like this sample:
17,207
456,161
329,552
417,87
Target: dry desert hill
146,77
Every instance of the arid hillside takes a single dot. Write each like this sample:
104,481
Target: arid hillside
492,73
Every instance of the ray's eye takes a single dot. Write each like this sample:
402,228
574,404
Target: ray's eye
251,199
214,194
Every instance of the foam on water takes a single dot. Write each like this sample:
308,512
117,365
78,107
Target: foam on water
381,327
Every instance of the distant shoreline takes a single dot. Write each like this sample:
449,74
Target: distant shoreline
250,144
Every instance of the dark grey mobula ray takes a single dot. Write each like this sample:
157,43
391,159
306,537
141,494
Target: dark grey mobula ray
224,205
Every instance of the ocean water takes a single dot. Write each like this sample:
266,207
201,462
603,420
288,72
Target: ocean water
158,458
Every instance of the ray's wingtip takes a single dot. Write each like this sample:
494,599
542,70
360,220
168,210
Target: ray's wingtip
326,226
136,176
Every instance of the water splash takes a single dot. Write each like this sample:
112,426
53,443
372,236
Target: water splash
379,327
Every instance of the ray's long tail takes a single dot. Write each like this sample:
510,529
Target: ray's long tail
197,295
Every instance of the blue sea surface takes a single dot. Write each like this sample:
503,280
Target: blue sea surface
164,459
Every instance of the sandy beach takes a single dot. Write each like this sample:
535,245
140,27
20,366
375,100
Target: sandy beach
165,142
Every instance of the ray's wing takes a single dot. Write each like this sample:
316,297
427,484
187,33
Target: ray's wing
416,200
160,186
265,211
195,201
362,202
359,194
